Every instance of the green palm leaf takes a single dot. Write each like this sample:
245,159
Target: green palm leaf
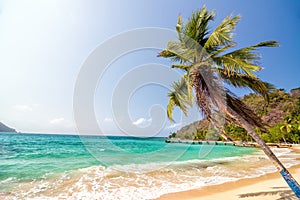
180,96
242,61
197,26
244,81
222,35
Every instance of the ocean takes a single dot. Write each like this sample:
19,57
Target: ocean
49,166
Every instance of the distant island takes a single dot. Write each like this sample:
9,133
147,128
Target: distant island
4,128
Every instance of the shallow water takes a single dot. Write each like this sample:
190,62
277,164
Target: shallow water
89,167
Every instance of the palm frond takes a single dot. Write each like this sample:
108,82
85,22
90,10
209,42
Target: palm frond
221,50
171,104
242,61
179,24
180,52
197,26
166,54
180,97
244,81
241,109
236,64
247,53
192,36
183,67
223,34
269,43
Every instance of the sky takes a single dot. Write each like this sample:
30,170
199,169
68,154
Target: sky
44,46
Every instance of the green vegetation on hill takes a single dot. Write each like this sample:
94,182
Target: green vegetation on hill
4,128
281,117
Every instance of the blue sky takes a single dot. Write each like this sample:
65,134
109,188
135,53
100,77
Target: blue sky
45,43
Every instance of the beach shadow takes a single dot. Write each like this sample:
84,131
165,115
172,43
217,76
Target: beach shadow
283,194
279,187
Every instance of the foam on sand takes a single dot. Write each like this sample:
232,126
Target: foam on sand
138,181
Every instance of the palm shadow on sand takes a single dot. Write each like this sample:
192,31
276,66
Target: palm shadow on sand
284,193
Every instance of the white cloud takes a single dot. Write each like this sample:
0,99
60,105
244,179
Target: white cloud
142,122
57,120
60,125
139,121
23,108
107,119
173,126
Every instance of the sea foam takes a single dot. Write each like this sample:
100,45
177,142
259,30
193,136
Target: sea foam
138,181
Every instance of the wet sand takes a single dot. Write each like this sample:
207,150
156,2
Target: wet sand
267,187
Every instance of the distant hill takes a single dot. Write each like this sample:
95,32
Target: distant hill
4,128
281,115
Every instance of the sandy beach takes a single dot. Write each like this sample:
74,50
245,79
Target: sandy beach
267,187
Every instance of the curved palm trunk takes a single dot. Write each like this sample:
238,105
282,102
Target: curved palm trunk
203,92
283,171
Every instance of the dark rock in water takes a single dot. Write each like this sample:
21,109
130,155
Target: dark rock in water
4,128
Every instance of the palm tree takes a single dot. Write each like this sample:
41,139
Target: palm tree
207,63
286,128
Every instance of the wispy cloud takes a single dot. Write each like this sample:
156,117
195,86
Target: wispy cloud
23,108
142,122
107,119
173,126
57,120
60,125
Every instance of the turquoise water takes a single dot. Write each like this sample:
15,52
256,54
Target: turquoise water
94,167
31,156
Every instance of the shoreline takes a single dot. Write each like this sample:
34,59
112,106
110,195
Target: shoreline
220,142
270,186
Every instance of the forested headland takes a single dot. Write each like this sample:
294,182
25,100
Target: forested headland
281,115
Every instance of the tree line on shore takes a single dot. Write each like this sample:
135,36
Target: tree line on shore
281,115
